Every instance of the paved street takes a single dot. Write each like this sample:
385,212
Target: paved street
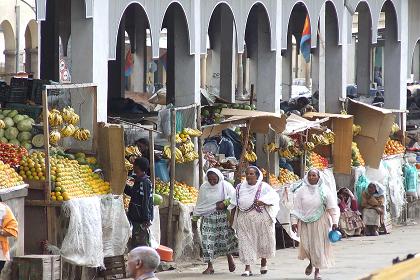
355,257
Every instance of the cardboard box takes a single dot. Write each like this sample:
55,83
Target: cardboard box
340,151
376,126
111,155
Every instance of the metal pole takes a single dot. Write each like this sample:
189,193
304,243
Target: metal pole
200,148
172,182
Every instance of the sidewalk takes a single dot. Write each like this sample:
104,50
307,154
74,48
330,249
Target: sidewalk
355,258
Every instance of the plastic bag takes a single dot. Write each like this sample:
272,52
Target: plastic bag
360,186
410,180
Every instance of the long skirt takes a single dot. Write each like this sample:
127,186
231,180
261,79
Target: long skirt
371,217
314,243
351,223
256,236
218,238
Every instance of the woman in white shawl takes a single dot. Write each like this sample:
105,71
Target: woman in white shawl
255,207
218,238
315,211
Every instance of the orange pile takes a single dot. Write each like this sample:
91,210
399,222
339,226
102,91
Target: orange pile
317,161
394,147
287,177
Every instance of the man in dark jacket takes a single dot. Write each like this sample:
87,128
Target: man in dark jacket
140,209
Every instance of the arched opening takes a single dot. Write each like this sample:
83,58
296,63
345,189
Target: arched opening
413,97
181,77
31,49
220,60
9,49
296,67
127,73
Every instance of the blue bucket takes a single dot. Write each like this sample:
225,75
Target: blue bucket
334,236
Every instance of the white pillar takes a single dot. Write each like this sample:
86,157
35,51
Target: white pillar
363,52
140,55
203,69
10,61
416,63
322,62
287,79
240,76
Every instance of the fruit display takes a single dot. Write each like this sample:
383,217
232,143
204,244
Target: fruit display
9,177
250,156
12,154
356,129
211,115
15,128
287,177
81,134
394,147
395,128
356,157
290,153
326,138
185,148
317,161
182,192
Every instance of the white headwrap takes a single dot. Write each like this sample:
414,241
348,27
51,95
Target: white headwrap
209,195
247,194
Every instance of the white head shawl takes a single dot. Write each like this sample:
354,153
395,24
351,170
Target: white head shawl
209,195
248,192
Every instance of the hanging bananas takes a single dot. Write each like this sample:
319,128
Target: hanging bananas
271,148
250,156
356,129
55,137
132,151
54,118
179,157
187,147
309,146
69,116
329,136
128,165
81,134
192,132
67,130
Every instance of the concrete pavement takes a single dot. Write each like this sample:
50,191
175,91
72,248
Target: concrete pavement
355,257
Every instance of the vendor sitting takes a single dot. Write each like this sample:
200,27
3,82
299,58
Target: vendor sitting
373,201
350,223
140,209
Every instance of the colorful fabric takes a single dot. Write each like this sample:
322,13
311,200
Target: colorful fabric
256,236
218,238
9,225
305,41
350,221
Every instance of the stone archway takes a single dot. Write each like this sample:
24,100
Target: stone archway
31,48
10,47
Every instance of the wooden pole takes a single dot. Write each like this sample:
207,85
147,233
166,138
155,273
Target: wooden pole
152,159
200,148
47,193
172,182
268,160
251,97
244,148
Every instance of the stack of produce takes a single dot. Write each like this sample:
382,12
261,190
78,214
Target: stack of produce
274,181
287,177
64,124
211,160
8,177
211,115
70,178
11,154
290,153
182,192
394,147
185,149
356,157
16,129
317,161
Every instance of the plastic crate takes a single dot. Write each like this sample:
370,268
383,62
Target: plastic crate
24,109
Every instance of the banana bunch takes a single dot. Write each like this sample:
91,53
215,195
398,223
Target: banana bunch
251,156
191,156
319,140
296,152
69,116
179,158
2,124
356,129
81,134
187,147
55,136
395,128
192,132
309,146
271,148
132,151
178,138
329,136
128,165
54,118
286,153
67,130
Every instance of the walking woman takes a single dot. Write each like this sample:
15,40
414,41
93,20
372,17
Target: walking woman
218,238
373,205
255,207
315,211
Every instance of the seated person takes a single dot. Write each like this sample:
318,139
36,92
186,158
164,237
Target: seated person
350,223
373,201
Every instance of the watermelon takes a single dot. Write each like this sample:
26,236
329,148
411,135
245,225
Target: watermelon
4,140
14,142
157,199
11,133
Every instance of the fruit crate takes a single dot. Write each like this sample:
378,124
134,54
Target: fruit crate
37,267
115,268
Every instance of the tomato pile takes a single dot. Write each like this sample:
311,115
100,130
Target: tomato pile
12,154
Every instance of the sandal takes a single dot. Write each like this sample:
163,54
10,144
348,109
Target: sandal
247,273
208,271
309,269
264,269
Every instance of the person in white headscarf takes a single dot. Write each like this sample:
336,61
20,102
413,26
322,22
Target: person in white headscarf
314,213
255,207
373,205
218,238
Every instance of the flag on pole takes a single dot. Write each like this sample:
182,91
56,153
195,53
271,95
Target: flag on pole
305,41
129,63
